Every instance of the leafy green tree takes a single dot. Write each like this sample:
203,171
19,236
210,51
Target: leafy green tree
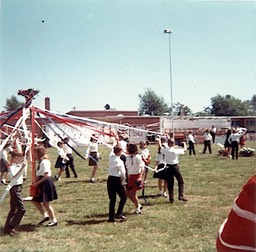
181,109
152,104
12,103
228,106
253,105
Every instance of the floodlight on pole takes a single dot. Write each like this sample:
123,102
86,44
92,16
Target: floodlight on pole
169,32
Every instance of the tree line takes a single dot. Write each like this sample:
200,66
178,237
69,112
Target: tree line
154,105
227,105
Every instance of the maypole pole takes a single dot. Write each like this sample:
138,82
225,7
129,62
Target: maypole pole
29,96
32,123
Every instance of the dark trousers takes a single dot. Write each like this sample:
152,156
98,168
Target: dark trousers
207,144
171,172
70,163
213,137
17,209
234,150
115,187
191,148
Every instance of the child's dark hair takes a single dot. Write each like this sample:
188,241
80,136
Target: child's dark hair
132,148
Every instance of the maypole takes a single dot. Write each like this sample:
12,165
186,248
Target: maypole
29,96
32,123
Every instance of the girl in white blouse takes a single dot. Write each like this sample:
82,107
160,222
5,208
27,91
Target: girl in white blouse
135,169
46,188
93,155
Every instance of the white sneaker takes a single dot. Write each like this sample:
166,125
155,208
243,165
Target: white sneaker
52,224
43,219
4,182
160,194
165,194
92,180
138,211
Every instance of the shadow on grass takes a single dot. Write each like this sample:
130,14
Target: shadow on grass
93,219
21,228
28,227
87,222
75,181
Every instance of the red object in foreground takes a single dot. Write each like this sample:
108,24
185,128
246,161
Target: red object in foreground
238,231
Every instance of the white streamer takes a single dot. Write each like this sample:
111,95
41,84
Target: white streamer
22,120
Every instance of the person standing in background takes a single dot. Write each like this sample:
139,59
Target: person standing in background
146,158
191,142
227,144
61,160
234,139
68,151
93,155
213,133
207,141
242,141
160,164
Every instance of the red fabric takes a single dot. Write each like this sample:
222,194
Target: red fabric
247,198
70,121
134,181
240,231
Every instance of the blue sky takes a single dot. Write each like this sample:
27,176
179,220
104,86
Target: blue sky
89,53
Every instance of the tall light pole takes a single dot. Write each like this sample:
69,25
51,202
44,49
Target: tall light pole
169,32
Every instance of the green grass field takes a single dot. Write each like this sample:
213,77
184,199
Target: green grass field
211,185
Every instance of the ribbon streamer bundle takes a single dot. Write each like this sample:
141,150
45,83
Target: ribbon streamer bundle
56,126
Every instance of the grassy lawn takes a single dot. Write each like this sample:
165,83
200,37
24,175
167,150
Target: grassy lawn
211,185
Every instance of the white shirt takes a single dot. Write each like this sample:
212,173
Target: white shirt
116,166
61,152
234,137
92,147
67,149
4,155
123,145
191,138
207,137
160,158
134,164
13,170
172,154
44,167
145,153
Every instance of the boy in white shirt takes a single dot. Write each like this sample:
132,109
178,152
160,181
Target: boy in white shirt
17,208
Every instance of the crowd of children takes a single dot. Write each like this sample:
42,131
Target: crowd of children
128,171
